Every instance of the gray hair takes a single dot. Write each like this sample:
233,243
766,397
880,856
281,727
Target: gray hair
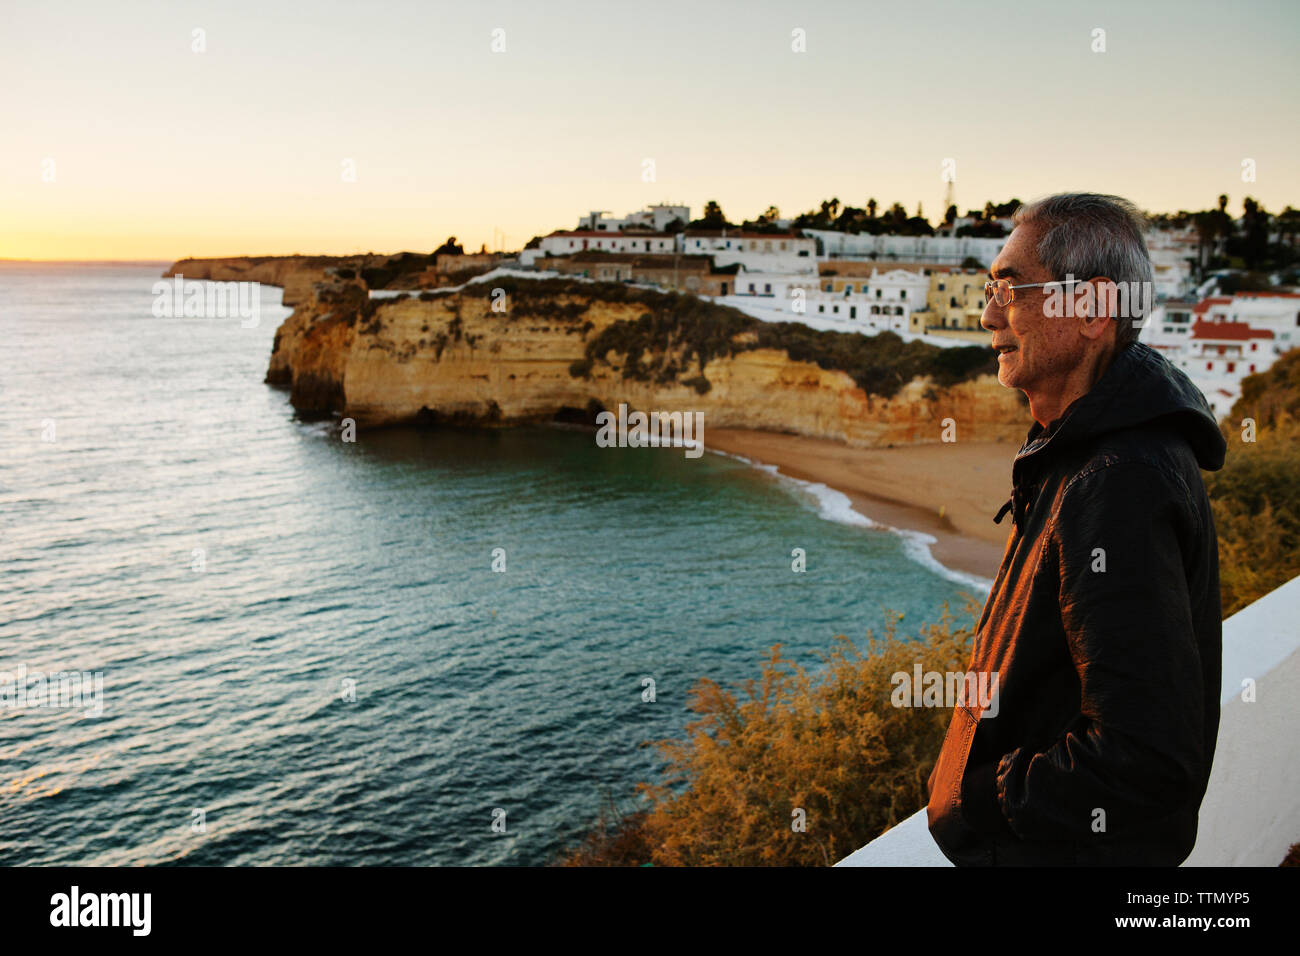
1087,235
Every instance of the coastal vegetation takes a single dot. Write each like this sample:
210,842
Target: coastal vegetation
563,301
879,364
795,769
398,270
349,302
680,331
1255,496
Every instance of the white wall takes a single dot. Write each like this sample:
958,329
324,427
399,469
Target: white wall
1251,812
755,253
778,310
938,249
566,245
851,311
762,261
657,216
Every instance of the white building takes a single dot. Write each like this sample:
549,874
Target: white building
946,229
1220,354
654,218
1277,311
1220,340
1168,328
861,311
563,243
1172,254
1170,325
882,301
774,286
946,250
754,251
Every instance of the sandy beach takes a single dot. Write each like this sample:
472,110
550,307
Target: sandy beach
950,491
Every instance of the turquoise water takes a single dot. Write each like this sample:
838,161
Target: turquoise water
324,563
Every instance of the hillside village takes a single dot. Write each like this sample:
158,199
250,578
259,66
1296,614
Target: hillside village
1216,324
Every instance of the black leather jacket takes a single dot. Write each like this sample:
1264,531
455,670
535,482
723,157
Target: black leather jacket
1103,628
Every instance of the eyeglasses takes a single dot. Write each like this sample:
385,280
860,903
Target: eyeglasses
1002,292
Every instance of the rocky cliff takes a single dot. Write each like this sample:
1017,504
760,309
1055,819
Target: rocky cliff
514,351
295,274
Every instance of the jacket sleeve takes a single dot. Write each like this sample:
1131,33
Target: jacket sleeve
1134,753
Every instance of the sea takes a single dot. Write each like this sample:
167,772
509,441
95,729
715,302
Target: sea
230,637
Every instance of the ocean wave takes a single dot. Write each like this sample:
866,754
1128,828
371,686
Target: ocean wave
834,505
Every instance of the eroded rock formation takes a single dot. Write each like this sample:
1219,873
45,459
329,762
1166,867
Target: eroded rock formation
534,351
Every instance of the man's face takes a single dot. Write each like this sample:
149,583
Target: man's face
1035,352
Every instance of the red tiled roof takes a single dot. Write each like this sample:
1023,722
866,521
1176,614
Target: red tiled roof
1204,304
1228,331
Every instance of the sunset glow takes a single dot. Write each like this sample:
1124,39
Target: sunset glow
123,142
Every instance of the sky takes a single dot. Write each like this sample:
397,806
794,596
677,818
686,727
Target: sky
152,130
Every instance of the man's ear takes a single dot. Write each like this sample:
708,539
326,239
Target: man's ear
1094,306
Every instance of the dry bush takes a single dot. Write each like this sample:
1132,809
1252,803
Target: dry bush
829,743
1256,495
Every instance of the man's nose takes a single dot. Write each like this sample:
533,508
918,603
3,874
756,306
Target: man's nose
992,318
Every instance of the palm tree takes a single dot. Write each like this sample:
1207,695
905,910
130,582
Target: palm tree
1255,227
1206,226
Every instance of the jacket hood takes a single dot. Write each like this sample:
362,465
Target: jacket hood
1138,388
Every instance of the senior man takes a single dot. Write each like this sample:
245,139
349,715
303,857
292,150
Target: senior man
1103,626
